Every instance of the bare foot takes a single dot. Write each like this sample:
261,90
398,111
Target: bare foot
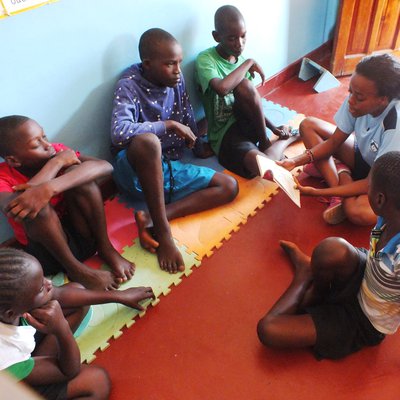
131,297
169,257
120,266
300,260
94,279
145,237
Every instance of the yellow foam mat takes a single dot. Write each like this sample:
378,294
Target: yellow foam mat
108,320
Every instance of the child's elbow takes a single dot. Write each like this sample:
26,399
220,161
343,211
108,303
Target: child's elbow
222,91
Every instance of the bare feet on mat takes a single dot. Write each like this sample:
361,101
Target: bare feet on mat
145,237
169,256
120,266
94,279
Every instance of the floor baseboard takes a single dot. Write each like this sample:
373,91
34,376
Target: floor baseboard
320,55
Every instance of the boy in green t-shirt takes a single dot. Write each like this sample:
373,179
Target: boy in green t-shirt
233,107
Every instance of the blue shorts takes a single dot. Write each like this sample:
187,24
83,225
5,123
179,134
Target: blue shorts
186,178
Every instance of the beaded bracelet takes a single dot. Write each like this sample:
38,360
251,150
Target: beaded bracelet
310,155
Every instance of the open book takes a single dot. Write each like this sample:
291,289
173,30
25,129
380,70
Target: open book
281,176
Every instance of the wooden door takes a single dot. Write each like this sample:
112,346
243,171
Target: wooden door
364,27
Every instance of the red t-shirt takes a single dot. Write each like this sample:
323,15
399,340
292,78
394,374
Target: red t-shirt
10,177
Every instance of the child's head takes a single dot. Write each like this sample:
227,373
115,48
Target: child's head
161,56
374,84
23,142
384,186
22,285
230,31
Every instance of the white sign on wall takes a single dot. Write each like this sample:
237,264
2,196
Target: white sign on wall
10,7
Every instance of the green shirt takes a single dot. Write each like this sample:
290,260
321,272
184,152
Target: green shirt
22,369
218,109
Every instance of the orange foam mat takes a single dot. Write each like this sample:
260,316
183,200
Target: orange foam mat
200,342
205,231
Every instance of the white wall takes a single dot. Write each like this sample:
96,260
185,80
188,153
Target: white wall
59,62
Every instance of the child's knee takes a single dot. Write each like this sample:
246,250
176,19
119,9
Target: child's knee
332,258
144,147
359,215
307,124
231,188
267,332
228,186
245,90
92,381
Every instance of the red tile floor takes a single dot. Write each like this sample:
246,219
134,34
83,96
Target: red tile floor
200,341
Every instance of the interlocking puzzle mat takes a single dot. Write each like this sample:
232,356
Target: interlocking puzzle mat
108,320
197,236
202,232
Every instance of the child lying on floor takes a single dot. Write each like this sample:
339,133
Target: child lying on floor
343,298
49,360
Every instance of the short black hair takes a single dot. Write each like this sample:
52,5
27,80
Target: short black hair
226,15
8,126
151,39
14,264
384,71
385,176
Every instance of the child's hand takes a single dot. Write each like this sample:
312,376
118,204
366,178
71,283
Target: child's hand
284,132
257,68
67,158
186,133
132,296
306,190
48,318
29,203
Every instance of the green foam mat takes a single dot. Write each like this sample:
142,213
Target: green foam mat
108,320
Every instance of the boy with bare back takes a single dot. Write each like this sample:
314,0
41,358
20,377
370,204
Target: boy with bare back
54,205
152,122
344,298
233,106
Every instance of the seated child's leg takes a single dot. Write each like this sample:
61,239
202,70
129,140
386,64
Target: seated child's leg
144,155
238,152
314,131
198,189
332,263
358,210
248,107
46,229
86,213
92,382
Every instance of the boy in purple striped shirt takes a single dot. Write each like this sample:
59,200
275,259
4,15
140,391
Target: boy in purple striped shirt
152,122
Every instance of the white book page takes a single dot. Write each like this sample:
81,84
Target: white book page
281,176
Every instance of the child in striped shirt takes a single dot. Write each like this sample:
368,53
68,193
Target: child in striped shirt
343,298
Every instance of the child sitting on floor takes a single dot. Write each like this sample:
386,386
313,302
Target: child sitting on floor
233,107
343,298
152,123
54,205
49,360
368,125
